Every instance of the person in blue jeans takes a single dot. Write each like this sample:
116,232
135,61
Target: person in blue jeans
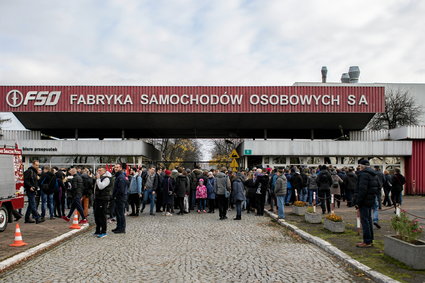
375,211
151,183
47,184
289,188
31,187
280,191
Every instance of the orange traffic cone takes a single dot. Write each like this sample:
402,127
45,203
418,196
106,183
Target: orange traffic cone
18,238
75,222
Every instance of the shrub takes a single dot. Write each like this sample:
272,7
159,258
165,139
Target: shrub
408,230
333,217
300,203
310,209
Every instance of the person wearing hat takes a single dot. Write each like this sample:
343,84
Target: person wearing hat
364,199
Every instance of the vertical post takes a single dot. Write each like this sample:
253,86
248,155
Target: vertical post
76,134
312,134
397,210
358,221
296,194
265,134
332,204
314,202
123,134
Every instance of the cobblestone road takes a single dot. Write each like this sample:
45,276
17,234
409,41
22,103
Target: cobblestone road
189,248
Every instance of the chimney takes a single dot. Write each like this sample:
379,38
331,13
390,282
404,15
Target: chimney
345,78
324,74
354,73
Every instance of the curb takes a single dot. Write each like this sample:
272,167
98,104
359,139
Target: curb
329,248
26,255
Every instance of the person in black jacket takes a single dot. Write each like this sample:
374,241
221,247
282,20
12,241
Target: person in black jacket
47,184
182,187
262,184
324,182
30,186
351,185
364,199
119,195
77,188
398,181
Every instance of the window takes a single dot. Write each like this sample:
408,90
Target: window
294,160
279,160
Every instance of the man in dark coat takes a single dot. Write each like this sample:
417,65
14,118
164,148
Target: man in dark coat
182,188
262,185
350,187
119,194
398,182
30,186
77,188
324,182
364,199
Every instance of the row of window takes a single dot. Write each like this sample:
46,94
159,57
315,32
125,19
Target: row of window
283,160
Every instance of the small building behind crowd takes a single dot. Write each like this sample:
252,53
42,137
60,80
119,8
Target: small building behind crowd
402,148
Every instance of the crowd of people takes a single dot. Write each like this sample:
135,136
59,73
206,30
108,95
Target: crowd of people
126,192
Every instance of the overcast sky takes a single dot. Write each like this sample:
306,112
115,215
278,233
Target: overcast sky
193,42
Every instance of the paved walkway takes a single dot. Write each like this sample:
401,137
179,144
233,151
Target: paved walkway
189,248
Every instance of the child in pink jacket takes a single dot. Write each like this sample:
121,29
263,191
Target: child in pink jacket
201,196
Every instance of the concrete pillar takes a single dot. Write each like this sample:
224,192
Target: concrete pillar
76,134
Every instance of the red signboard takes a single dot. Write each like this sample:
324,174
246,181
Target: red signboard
193,99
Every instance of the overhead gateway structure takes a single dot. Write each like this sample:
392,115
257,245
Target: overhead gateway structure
193,111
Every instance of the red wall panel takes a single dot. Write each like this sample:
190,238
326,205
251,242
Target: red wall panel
415,168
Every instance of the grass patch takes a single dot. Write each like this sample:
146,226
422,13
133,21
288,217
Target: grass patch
373,257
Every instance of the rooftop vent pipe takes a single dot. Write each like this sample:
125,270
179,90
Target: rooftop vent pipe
324,74
354,73
345,78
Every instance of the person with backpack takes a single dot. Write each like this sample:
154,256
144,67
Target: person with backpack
102,196
48,183
312,186
336,187
222,192
324,182
210,183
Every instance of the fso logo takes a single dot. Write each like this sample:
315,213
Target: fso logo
15,98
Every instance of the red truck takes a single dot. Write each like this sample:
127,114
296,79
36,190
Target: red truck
11,183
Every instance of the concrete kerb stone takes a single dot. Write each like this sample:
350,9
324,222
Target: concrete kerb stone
26,255
329,248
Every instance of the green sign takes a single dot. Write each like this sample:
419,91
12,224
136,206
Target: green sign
248,151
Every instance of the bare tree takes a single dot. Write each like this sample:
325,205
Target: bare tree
175,152
222,149
400,110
